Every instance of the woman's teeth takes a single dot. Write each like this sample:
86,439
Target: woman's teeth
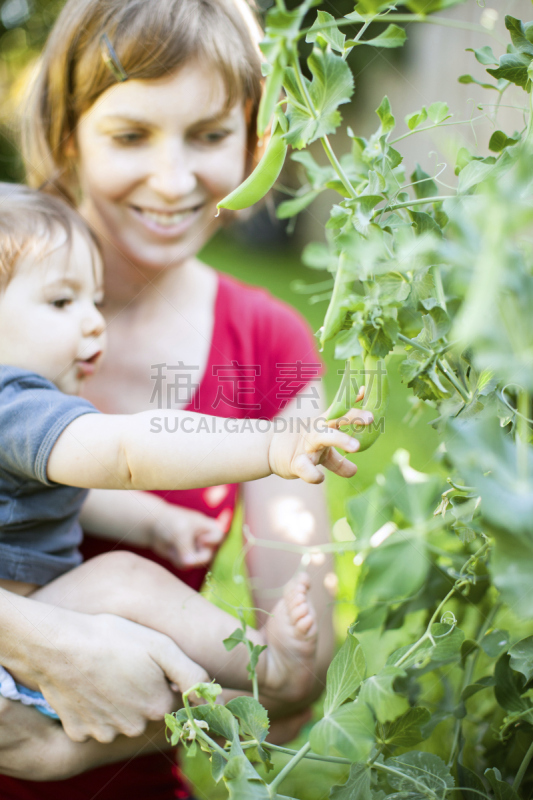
167,220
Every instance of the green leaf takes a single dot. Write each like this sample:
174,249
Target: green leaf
521,655
384,112
377,691
252,717
428,770
345,673
509,686
218,765
242,781
331,35
220,720
424,223
424,186
518,35
392,571
316,255
348,732
237,637
406,731
317,176
513,67
477,172
484,55
367,512
470,79
499,140
416,118
331,86
393,36
347,344
357,787
495,642
438,112
289,208
502,790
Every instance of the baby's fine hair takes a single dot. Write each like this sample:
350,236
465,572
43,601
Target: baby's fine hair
29,220
151,39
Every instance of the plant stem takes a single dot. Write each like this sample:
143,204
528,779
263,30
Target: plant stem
522,438
523,767
453,380
280,777
287,751
472,659
427,632
419,201
436,125
446,23
199,732
334,161
438,285
416,345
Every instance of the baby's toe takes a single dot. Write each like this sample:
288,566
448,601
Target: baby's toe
298,612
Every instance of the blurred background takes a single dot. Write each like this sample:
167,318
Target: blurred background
263,251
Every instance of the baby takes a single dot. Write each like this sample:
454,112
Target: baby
54,446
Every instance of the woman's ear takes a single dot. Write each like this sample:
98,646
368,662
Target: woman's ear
71,148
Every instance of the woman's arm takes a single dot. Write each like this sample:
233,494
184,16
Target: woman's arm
294,513
37,748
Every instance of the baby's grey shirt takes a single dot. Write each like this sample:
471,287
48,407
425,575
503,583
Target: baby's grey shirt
39,527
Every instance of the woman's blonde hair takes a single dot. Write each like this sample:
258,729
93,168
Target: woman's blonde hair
29,221
151,38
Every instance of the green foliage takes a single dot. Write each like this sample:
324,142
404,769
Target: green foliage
444,708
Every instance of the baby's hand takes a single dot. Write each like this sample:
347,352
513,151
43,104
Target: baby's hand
185,538
297,454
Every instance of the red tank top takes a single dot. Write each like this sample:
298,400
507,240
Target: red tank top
262,355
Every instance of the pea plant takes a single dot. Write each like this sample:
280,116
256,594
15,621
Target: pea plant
445,280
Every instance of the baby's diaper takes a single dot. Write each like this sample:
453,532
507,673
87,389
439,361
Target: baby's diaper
12,690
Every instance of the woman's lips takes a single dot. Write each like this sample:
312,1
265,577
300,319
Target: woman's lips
166,224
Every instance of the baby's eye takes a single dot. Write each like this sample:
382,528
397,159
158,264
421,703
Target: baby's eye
61,302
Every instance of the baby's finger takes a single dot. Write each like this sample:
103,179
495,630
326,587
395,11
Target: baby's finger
213,536
338,464
304,468
354,416
331,437
360,394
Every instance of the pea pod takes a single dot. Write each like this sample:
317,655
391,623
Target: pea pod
376,399
262,178
336,312
270,98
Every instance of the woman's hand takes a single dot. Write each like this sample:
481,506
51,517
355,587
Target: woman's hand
103,675
185,538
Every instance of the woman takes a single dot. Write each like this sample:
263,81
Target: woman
144,113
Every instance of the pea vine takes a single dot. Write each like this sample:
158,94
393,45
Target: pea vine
445,281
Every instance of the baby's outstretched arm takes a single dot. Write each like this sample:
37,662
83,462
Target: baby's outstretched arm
133,452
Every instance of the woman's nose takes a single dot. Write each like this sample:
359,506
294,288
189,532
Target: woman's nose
173,176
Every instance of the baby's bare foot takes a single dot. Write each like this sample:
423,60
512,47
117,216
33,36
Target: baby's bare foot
291,634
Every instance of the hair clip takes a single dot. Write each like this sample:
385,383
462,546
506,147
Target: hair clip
111,60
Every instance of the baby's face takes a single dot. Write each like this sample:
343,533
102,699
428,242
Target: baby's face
49,317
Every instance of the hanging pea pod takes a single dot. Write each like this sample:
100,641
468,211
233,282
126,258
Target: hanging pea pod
270,98
336,312
262,178
376,399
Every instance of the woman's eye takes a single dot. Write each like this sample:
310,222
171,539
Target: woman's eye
212,137
132,137
62,302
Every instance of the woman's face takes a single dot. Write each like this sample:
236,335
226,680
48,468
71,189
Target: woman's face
154,158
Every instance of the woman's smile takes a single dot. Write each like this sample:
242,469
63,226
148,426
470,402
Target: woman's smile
167,223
